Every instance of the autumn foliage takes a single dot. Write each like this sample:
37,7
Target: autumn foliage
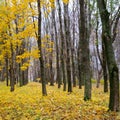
27,103
39,38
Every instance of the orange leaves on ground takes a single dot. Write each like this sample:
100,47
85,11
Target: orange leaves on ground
27,103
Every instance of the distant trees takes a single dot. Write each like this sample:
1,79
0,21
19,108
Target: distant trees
15,49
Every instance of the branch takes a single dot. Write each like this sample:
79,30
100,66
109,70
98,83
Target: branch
116,19
115,16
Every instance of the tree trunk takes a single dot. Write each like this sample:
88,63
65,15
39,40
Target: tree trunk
68,46
85,60
57,52
110,57
103,61
105,76
12,78
44,91
51,54
7,71
62,48
12,60
73,50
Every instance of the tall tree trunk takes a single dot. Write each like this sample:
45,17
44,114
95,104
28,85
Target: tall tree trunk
105,75
44,91
7,71
51,54
110,57
62,49
73,49
57,50
12,78
12,60
103,61
85,60
68,46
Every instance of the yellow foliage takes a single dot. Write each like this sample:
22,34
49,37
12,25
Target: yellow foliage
16,28
38,79
23,68
1,67
25,65
47,65
65,1
35,53
27,103
19,58
49,50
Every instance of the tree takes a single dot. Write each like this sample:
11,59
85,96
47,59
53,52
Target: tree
58,79
84,53
68,45
73,47
110,57
44,91
62,48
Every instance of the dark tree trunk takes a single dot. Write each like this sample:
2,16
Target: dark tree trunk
44,91
68,46
79,66
110,57
51,72
73,51
73,68
105,75
26,77
57,52
51,54
103,61
85,60
11,70
12,78
7,72
20,76
62,49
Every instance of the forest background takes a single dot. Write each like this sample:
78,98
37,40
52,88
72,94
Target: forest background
66,43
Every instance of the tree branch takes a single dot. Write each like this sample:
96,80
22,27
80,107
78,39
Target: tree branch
116,19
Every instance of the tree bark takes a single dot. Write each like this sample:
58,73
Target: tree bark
12,78
44,91
110,57
68,46
103,61
85,60
105,75
62,48
57,51
7,71
73,50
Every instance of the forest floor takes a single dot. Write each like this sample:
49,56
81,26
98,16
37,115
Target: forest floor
27,103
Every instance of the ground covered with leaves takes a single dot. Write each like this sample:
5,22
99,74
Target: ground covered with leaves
27,103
